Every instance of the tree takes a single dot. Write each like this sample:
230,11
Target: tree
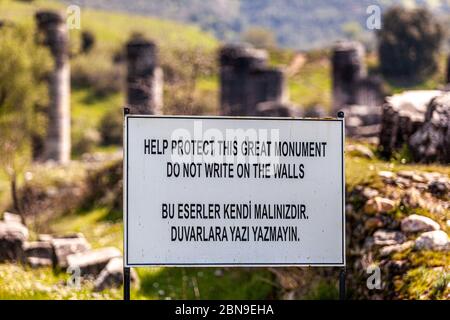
259,37
22,71
409,43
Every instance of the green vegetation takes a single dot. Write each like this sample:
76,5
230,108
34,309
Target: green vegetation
93,205
22,283
21,115
409,43
296,24
312,85
204,283
424,283
187,56
323,291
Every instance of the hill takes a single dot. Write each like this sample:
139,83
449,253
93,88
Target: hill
296,24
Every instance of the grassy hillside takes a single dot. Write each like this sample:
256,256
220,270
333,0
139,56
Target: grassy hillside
296,24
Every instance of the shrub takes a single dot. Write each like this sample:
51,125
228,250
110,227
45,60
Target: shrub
84,140
111,128
409,43
23,68
97,71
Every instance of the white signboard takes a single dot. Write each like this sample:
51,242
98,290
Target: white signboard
202,191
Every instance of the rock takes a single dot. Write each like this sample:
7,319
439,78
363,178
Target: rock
369,193
431,142
418,178
413,198
388,250
45,237
353,122
12,237
367,115
402,115
438,188
39,249
418,223
36,262
39,253
12,217
315,112
433,240
112,275
63,247
406,174
395,267
386,174
378,205
403,182
359,151
92,262
411,175
349,209
388,238
373,223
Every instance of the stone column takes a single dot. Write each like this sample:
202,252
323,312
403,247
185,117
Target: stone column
370,92
144,78
247,81
53,32
348,67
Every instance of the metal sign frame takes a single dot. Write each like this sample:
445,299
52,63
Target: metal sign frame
127,266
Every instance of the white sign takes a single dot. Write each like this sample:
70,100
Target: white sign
202,191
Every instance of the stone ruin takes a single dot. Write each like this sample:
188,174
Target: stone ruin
348,68
144,77
359,96
68,252
447,73
431,142
249,87
53,33
420,120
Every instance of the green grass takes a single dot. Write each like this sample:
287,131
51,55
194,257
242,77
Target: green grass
424,283
94,225
17,282
204,283
113,29
87,109
196,283
360,170
323,290
312,86
169,283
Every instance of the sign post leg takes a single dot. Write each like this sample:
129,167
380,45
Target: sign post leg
342,284
126,270
126,283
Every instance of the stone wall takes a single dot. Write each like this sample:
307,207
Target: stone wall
402,116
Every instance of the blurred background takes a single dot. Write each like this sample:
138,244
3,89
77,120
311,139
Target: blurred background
67,69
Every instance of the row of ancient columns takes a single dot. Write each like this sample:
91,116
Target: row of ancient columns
248,85
144,82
